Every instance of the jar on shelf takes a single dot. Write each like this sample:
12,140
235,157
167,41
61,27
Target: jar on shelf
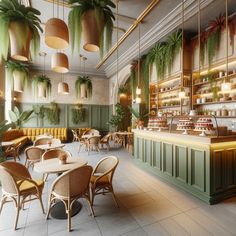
224,111
218,113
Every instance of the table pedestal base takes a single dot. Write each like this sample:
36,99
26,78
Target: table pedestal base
58,211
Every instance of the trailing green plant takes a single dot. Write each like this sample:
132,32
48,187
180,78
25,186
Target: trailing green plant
117,118
172,47
53,113
14,11
78,114
83,80
133,78
39,111
103,13
44,81
20,67
4,126
124,88
19,118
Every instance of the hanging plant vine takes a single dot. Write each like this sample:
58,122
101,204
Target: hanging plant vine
53,113
78,114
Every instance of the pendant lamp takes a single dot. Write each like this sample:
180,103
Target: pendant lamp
56,32
138,89
63,88
60,63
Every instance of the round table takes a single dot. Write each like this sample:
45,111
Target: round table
53,166
6,144
87,136
52,146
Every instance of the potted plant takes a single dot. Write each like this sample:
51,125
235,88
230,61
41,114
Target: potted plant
42,86
18,75
21,26
83,87
139,117
117,118
94,19
19,118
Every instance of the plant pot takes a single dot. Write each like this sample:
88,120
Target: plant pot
19,30
63,88
83,90
41,91
91,31
18,81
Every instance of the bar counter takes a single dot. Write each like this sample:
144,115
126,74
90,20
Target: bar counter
202,166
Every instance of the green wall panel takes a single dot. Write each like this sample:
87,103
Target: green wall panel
230,168
197,167
148,151
181,163
167,154
156,155
104,117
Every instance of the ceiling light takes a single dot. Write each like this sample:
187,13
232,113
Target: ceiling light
63,88
60,63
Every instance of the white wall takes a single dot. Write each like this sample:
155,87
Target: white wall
100,94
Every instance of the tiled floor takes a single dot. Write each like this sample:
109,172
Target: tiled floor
148,206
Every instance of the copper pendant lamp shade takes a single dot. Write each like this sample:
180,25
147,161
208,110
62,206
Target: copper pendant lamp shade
60,63
63,88
56,34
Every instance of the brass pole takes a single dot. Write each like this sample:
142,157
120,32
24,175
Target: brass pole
227,38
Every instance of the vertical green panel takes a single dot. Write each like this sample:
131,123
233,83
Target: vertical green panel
136,147
167,156
95,116
197,168
230,167
217,170
104,118
156,155
181,163
148,151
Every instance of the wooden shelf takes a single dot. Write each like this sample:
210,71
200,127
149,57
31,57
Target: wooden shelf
216,79
211,103
170,90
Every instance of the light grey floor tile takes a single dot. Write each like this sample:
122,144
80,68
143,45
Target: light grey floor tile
155,229
138,232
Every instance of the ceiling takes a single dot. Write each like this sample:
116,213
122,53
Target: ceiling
152,29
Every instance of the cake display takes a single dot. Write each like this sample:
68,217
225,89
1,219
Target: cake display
157,123
185,125
203,125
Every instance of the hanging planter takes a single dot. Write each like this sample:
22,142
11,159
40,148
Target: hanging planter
21,26
60,63
56,34
17,73
83,87
95,20
41,86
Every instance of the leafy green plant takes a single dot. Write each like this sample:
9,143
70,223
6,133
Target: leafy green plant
14,11
19,118
83,80
20,67
39,111
53,113
123,89
4,126
173,45
44,81
138,115
103,13
117,118
78,114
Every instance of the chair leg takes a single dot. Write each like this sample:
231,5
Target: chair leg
45,177
114,197
17,212
41,202
49,207
69,215
90,207
2,202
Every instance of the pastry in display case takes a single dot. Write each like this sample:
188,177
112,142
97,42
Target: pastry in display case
204,124
185,124
157,123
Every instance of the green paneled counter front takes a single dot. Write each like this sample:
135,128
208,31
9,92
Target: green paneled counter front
202,166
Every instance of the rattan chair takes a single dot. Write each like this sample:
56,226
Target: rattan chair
119,140
42,141
69,187
93,144
33,155
75,136
82,143
13,151
92,132
105,141
53,153
101,179
17,185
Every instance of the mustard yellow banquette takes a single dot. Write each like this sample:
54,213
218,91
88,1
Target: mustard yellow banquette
24,134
